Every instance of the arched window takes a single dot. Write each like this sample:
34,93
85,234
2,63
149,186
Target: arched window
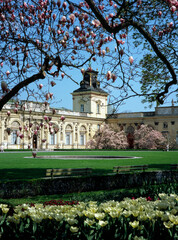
83,135
53,134
68,133
15,133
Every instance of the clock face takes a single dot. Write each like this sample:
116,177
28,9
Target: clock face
85,99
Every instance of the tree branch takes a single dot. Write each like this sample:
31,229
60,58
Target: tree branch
18,87
147,36
160,96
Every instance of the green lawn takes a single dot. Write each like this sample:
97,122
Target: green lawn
15,166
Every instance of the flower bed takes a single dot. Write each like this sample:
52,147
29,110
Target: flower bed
139,218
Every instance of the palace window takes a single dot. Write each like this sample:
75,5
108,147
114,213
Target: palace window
82,135
68,134
14,138
52,139
165,125
82,139
98,108
82,108
68,138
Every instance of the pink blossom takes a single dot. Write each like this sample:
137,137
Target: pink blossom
21,136
74,40
62,118
54,16
7,73
173,9
63,19
92,42
108,75
53,83
47,96
85,16
72,18
131,59
154,28
148,138
111,15
64,5
35,132
82,70
62,75
113,76
170,24
122,20
96,23
15,110
51,95
121,52
58,3
159,13
103,52
160,33
110,38
40,86
107,138
71,7
45,118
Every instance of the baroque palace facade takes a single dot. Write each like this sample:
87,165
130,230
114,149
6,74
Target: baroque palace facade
37,126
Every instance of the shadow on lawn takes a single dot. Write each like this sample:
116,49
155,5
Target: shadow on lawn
15,173
34,173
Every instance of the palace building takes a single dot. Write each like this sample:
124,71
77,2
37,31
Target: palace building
36,125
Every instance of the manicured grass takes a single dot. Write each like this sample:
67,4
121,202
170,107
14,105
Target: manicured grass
14,166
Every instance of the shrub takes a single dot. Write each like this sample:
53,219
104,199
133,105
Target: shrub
148,138
106,138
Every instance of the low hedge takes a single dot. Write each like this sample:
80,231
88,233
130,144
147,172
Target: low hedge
17,189
136,219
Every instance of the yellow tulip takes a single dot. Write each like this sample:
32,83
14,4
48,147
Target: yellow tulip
5,209
89,221
103,223
134,224
99,216
74,229
168,224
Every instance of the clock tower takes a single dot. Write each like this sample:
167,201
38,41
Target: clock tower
90,98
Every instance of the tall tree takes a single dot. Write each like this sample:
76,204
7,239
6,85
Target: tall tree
44,39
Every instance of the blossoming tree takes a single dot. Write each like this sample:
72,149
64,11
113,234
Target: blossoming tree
43,40
148,138
106,138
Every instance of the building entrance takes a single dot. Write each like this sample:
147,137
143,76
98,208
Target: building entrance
35,141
